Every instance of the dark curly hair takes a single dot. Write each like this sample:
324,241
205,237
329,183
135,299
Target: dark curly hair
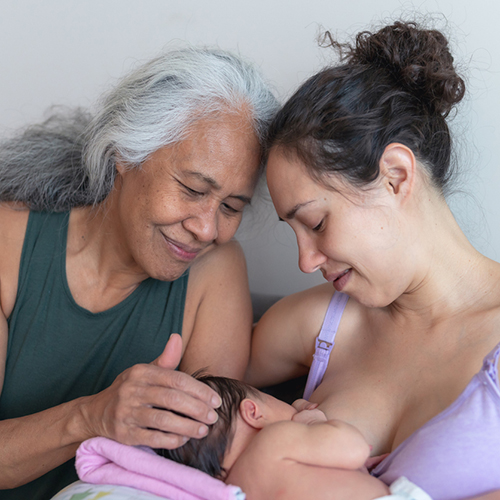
394,85
207,454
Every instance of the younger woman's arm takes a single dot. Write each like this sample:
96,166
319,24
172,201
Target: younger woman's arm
283,340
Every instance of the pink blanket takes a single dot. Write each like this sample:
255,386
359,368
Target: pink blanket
103,461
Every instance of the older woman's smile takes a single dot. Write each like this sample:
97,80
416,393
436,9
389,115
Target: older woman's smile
183,252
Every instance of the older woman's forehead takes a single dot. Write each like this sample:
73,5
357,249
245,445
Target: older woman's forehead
220,153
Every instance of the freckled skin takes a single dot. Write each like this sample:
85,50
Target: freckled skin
155,201
179,209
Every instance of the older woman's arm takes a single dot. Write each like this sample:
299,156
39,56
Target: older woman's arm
218,315
125,411
34,444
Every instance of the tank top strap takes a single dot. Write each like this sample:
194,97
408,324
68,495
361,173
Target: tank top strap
45,238
325,342
490,364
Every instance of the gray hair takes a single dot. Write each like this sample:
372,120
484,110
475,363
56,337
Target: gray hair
70,159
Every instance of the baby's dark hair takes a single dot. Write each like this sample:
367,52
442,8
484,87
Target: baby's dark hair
394,85
207,454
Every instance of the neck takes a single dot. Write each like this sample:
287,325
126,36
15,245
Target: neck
243,435
450,274
96,241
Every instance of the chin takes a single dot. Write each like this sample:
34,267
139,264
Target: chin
166,273
171,275
373,300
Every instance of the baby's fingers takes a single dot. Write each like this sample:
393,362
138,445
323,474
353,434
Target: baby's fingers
303,404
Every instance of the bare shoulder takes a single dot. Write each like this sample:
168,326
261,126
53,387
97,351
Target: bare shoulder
283,339
13,222
13,219
218,313
223,265
220,256
305,311
307,305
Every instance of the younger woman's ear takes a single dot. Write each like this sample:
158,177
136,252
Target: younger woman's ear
251,414
398,169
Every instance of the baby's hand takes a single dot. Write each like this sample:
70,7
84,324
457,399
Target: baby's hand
303,404
307,413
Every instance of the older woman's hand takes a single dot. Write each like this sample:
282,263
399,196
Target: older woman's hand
148,404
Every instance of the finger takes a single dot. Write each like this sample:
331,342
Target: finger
171,423
300,404
170,379
179,402
171,355
156,439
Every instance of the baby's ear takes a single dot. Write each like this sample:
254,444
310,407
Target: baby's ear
251,414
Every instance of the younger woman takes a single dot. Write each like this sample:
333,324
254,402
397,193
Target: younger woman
359,164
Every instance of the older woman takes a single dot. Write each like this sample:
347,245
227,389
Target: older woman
359,163
128,239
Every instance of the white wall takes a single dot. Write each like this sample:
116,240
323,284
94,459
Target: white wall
69,51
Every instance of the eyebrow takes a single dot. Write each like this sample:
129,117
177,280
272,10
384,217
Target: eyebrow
291,213
212,182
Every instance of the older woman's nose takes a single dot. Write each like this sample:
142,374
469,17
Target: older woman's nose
203,225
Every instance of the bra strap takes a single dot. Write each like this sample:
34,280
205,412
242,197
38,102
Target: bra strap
325,342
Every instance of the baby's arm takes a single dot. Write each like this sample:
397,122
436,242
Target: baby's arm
328,444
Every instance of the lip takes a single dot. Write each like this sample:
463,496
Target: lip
339,280
183,252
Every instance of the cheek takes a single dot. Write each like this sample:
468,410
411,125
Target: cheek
228,228
378,231
164,206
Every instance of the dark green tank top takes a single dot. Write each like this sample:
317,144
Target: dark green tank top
58,351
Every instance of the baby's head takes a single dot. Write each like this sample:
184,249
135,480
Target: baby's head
207,454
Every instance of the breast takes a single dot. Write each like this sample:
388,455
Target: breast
389,386
456,454
368,403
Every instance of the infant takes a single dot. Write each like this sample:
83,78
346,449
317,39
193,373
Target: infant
271,450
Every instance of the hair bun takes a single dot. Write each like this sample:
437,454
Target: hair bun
419,60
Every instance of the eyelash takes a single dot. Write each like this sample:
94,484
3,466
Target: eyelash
319,227
231,210
194,193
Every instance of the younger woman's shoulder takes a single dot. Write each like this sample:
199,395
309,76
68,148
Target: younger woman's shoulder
311,302
308,307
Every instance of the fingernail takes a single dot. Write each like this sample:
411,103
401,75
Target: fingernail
212,416
185,439
203,430
216,401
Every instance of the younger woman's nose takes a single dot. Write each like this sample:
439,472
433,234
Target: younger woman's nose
310,257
